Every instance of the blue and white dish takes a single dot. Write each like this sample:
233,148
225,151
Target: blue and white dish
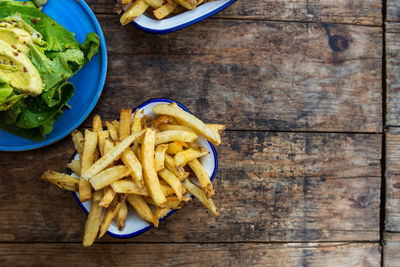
77,17
173,23
135,225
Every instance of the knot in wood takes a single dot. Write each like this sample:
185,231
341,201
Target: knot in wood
338,43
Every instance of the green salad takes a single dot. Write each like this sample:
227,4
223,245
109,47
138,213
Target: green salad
37,57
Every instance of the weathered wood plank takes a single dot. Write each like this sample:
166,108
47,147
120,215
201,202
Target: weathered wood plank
367,12
392,10
252,74
391,250
269,187
392,215
393,74
317,254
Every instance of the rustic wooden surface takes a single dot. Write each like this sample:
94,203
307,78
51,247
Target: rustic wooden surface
393,73
252,75
393,10
391,251
299,85
392,215
239,254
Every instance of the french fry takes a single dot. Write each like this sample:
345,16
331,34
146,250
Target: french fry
150,174
93,221
200,195
167,190
173,181
136,122
162,120
135,10
219,128
61,180
154,3
97,125
75,166
78,139
87,158
202,177
125,123
85,190
176,147
115,123
121,216
172,202
189,120
178,10
111,212
164,10
188,4
125,2
108,197
170,164
175,135
159,214
89,149
159,157
113,132
108,176
132,162
112,155
181,158
168,127
138,152
147,122
108,146
141,207
103,135
127,186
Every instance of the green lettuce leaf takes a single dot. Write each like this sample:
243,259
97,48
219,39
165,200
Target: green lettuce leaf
35,112
56,36
61,68
57,58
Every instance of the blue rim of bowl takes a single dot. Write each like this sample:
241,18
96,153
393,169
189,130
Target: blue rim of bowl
184,25
141,231
102,80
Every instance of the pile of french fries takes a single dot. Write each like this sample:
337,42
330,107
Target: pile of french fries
148,163
159,8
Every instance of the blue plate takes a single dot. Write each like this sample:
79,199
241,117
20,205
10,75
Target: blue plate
77,17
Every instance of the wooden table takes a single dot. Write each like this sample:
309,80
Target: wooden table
309,170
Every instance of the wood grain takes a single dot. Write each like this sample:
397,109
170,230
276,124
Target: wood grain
393,10
266,255
269,187
391,248
252,75
393,74
392,215
367,12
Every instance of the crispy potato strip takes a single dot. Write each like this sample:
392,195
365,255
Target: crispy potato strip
200,195
189,120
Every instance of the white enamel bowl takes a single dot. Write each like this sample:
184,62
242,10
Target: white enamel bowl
134,224
183,20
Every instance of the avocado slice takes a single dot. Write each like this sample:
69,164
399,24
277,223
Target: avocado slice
17,70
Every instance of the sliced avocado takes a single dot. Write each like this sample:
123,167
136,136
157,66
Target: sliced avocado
18,71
